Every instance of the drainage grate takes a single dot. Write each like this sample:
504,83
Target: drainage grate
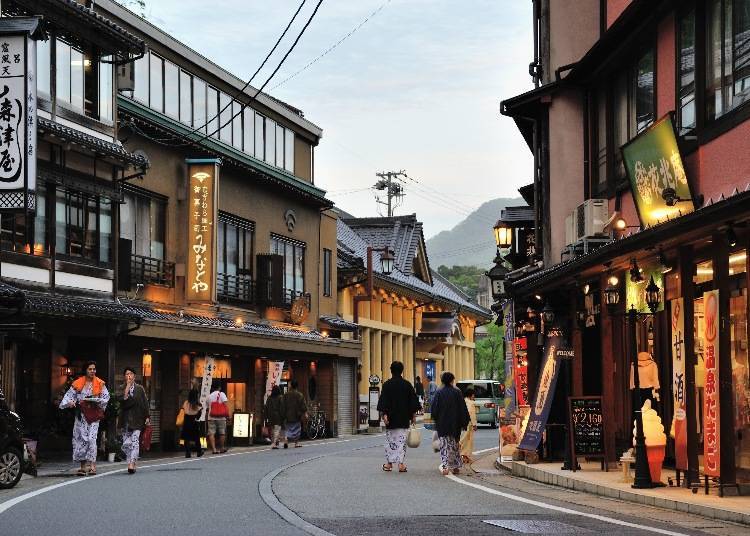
535,527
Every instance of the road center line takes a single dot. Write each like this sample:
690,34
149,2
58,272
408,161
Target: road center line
564,510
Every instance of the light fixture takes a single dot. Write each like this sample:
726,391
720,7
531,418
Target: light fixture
531,313
538,297
653,295
651,331
66,370
613,280
386,262
611,297
664,265
503,235
586,289
620,224
635,271
731,236
238,321
548,314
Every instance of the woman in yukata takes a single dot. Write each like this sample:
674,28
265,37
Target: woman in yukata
86,390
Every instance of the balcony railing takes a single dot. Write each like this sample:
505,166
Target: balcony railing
235,288
291,295
148,270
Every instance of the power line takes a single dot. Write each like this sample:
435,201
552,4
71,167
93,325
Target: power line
331,48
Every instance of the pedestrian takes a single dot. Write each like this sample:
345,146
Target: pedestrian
431,390
398,405
217,419
134,417
89,395
419,388
190,434
467,438
451,416
274,413
295,409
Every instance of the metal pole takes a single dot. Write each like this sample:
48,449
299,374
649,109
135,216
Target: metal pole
642,474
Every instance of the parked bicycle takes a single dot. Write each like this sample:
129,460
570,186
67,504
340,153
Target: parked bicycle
316,425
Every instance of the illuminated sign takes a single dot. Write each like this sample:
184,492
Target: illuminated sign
654,165
17,115
711,436
241,425
200,284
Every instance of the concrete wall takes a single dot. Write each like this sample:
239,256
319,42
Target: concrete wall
574,28
615,9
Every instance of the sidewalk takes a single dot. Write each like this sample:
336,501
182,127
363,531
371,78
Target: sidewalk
591,479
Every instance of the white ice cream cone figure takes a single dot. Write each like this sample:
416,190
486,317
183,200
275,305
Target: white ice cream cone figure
656,440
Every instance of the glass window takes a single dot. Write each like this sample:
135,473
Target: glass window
81,228
621,120
741,51
157,228
327,272
76,78
199,104
225,106
237,125
270,135
293,255
249,129
259,136
704,272
156,83
234,256
140,92
289,151
171,90
186,98
40,219
644,91
686,92
143,222
601,138
62,72
43,67
280,146
105,230
106,96
212,111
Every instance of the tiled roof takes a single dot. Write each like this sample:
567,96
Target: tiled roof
54,305
338,323
10,292
97,145
517,214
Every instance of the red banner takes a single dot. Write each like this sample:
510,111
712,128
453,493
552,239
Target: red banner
521,372
711,437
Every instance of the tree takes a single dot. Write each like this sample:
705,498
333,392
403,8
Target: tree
490,354
138,6
464,277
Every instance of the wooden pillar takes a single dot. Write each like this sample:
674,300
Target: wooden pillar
364,383
376,353
576,341
387,353
687,292
609,401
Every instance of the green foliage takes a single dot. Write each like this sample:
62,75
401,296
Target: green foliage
464,277
490,354
137,6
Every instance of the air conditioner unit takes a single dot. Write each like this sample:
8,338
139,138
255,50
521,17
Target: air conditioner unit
591,218
571,228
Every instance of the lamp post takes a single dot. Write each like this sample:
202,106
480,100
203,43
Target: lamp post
503,235
386,264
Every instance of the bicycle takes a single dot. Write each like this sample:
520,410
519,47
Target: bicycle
316,424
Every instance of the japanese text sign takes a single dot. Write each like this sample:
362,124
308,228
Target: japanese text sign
679,424
653,163
17,120
521,371
510,332
208,375
200,283
275,368
711,436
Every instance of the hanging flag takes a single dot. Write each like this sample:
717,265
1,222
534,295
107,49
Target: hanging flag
208,374
711,402
275,368
679,424
510,334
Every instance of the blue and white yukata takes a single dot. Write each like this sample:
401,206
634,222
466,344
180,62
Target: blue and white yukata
84,434
131,439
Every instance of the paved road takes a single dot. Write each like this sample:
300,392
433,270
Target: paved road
335,486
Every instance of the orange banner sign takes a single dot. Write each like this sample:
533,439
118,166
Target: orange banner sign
200,284
711,437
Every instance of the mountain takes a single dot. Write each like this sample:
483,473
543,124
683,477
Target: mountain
471,242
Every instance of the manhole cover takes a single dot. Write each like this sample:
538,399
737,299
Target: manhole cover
535,527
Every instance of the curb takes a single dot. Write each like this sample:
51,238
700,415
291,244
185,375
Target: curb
531,473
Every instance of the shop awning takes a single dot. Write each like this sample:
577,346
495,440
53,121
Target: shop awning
66,306
337,323
436,331
526,106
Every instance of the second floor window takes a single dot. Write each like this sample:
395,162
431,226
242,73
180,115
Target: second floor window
234,251
82,84
83,226
293,253
143,222
327,272
686,74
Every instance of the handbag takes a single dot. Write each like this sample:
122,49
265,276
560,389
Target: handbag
414,437
435,442
180,418
218,409
146,438
91,411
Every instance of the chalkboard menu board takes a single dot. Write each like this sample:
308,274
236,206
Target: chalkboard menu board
587,426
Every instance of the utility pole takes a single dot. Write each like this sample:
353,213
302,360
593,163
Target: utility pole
393,189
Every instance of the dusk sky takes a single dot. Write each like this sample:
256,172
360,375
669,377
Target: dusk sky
416,88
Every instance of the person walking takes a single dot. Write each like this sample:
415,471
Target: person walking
89,395
217,419
467,438
134,417
419,389
190,434
295,409
451,416
431,390
274,413
397,405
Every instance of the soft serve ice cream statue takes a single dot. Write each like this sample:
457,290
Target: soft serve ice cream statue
656,440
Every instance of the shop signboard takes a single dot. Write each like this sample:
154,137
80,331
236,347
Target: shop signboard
521,371
545,392
653,163
18,117
711,401
241,425
679,423
208,373
586,420
203,175
634,292
510,324
275,370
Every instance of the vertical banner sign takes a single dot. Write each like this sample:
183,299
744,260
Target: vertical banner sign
17,119
275,368
545,392
522,371
679,424
711,437
200,284
208,374
510,335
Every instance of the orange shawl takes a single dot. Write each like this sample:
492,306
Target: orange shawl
96,385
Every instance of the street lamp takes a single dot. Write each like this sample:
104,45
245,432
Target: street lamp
653,295
497,279
386,264
503,235
548,314
611,296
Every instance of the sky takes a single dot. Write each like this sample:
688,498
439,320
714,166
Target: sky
415,88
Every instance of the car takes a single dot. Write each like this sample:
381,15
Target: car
12,448
488,398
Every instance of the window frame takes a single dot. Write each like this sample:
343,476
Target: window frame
297,245
245,262
141,195
327,272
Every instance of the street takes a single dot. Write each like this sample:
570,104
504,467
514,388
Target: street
328,487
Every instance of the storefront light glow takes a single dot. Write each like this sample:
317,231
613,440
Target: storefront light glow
613,280
611,297
653,295
731,236
586,289
503,235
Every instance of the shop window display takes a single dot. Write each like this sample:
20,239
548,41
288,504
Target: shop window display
740,369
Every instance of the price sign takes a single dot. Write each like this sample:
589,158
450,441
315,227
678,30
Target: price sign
586,423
